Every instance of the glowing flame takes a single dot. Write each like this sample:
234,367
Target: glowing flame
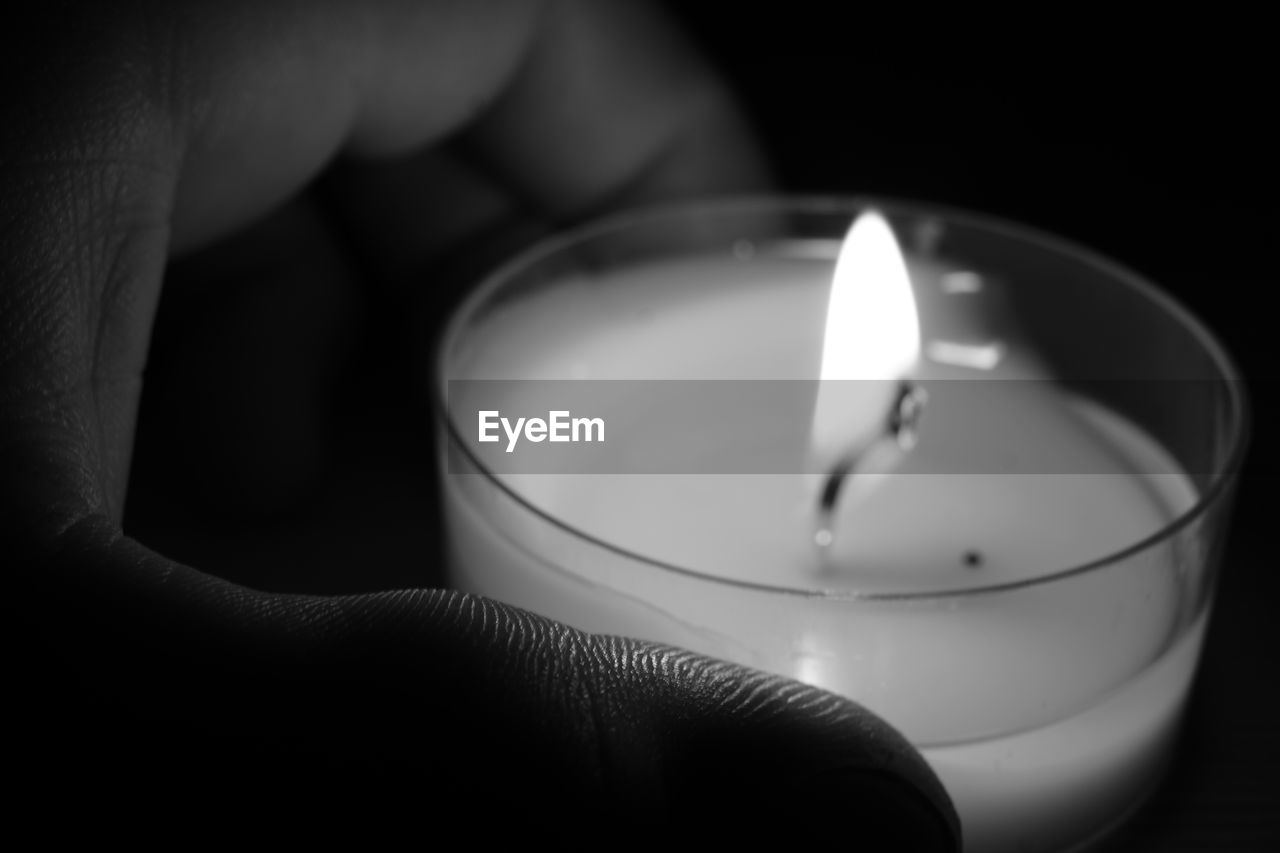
872,333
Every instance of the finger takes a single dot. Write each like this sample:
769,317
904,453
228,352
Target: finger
463,707
179,122
575,103
424,228
610,106
276,90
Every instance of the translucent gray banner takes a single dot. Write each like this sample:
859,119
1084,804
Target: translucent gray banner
767,427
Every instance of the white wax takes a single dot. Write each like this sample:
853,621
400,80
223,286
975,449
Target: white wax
952,672
762,319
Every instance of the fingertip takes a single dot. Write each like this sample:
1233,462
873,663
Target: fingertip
778,782
752,756
613,106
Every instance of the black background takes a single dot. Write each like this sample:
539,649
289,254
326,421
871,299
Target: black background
1151,141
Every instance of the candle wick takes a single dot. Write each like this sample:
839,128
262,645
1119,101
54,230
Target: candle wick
904,416
901,426
824,536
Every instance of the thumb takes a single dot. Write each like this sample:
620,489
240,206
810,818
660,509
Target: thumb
427,704
772,757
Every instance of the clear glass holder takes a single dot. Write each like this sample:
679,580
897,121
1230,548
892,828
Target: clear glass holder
1047,697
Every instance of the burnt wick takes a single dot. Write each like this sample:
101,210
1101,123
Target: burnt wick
900,427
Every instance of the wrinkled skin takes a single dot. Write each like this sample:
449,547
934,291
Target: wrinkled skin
151,693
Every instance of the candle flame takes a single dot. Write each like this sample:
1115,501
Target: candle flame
872,333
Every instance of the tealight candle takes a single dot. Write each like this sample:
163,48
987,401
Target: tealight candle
1023,593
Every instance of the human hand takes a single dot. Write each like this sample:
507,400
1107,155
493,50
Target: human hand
139,131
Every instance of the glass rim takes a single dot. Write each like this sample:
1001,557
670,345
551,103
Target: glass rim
546,247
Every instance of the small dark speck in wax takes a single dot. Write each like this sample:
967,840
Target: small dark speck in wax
972,559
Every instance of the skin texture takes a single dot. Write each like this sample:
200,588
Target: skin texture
154,695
